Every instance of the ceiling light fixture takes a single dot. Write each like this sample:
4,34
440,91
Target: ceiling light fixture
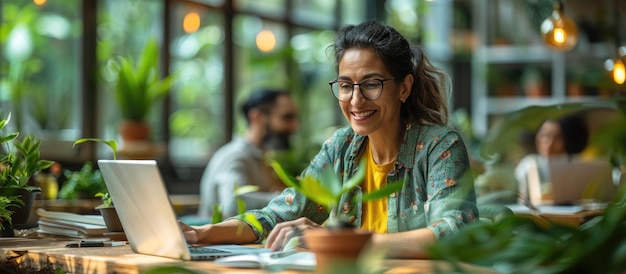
616,65
559,31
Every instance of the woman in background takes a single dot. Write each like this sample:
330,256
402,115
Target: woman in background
559,139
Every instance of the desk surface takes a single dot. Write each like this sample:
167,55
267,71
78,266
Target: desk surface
20,255
574,215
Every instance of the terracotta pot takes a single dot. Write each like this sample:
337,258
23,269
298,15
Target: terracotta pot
134,131
336,250
111,220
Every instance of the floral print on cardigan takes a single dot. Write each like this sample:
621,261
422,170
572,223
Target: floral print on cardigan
432,164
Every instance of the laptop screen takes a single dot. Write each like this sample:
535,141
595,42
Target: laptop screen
581,179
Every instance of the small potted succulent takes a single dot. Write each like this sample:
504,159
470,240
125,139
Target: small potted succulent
338,245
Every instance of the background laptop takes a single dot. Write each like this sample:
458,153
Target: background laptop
146,213
581,179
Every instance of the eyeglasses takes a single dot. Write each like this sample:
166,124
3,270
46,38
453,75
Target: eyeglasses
371,89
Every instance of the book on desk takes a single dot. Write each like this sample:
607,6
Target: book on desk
70,224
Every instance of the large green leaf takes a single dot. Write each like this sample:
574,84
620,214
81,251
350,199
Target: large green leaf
383,192
111,143
356,179
315,190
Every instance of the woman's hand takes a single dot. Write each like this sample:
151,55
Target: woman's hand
190,233
284,231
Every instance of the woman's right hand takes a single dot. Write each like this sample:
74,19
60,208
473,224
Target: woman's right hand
283,232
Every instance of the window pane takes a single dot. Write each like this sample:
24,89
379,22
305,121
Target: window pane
404,16
196,120
352,11
261,51
124,27
319,110
275,8
39,71
316,12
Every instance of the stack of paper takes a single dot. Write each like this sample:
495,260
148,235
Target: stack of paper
70,224
274,261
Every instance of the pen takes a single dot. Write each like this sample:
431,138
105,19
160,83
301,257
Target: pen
86,244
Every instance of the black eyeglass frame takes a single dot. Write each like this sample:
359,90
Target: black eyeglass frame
382,87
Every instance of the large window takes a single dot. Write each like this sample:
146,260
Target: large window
60,59
196,120
40,71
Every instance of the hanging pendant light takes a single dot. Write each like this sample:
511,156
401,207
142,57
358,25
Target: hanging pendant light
616,66
559,31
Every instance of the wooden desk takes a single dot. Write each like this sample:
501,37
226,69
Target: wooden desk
19,255
547,215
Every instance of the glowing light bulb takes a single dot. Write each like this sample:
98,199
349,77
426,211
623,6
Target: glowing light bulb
559,31
191,22
560,35
39,2
619,72
266,41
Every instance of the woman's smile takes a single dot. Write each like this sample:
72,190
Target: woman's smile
362,115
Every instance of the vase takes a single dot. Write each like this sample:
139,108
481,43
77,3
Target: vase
336,250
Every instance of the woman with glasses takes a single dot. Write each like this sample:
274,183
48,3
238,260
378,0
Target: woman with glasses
395,103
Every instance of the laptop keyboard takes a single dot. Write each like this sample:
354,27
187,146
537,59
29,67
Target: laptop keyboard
204,249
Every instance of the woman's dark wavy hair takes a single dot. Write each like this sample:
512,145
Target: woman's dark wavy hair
427,103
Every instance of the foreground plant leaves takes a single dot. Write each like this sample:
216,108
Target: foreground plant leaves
521,245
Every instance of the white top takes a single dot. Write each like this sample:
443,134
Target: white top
237,163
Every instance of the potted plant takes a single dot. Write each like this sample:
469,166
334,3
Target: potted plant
85,183
18,163
107,209
137,89
338,245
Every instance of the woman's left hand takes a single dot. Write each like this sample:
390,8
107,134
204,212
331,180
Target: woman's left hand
283,232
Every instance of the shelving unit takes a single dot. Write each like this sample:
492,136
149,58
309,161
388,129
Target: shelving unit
491,61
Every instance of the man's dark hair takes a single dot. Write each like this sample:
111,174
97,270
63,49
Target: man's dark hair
263,100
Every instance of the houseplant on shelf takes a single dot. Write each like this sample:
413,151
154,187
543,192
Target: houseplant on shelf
337,246
19,161
137,88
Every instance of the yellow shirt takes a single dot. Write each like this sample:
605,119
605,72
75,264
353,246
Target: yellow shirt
375,212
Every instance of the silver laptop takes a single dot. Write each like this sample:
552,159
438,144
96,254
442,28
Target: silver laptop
146,213
578,179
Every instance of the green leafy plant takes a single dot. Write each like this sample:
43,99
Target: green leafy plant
138,87
87,181
107,201
111,143
521,245
19,161
5,212
328,189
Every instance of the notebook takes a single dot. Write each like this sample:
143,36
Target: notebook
146,213
579,179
